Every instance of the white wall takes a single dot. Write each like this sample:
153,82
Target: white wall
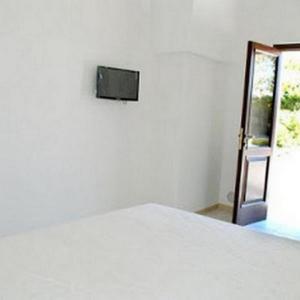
62,150
212,28
270,22
64,153
199,149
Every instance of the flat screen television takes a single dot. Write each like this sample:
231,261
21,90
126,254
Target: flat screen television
117,84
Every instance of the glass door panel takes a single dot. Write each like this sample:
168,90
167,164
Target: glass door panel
262,100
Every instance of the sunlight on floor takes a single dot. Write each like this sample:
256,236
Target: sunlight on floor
273,228
284,202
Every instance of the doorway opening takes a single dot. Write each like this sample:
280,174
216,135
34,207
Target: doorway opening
283,216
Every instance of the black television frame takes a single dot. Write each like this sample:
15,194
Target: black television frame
116,98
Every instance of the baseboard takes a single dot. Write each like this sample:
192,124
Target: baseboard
214,207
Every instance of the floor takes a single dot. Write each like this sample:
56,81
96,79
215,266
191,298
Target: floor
224,213
284,198
278,229
219,212
284,194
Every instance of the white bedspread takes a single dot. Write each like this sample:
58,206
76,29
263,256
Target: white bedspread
148,252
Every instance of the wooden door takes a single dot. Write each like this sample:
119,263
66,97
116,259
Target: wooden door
257,133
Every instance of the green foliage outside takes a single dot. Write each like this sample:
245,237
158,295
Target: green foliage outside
291,97
288,133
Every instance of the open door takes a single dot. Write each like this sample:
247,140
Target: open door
257,133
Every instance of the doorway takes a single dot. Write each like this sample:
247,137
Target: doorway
267,195
284,196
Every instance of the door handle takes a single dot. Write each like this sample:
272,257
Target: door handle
243,138
248,137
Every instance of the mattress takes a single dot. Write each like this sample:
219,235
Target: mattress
148,252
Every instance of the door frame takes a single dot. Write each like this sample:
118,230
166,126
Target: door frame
288,47
241,182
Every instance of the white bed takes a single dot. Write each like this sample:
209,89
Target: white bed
148,252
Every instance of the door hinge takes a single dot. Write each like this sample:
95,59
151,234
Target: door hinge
241,138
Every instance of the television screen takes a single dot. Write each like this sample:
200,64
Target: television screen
117,84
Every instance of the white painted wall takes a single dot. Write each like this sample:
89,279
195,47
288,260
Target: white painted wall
64,153
199,148
212,28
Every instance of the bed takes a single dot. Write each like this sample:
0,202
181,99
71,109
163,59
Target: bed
148,252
